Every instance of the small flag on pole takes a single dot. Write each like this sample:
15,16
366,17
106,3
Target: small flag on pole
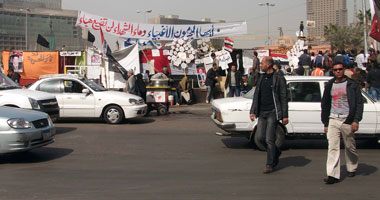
228,44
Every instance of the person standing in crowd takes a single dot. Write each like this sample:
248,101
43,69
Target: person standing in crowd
14,76
269,105
251,79
373,80
256,63
318,71
358,77
372,59
339,58
140,86
360,60
277,68
326,62
305,61
239,64
342,110
172,85
211,79
131,83
347,59
233,81
318,59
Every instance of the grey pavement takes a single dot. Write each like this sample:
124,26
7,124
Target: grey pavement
179,157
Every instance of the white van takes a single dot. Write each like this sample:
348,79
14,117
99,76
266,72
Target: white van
11,94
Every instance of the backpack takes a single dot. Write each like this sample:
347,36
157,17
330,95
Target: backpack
318,59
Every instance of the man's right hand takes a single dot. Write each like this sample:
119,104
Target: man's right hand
326,128
252,116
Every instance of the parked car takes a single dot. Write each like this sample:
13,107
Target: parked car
80,97
304,95
23,129
12,95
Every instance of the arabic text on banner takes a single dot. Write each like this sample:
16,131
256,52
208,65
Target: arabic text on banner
126,29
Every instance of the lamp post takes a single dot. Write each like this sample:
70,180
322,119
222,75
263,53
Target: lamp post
145,13
268,5
26,27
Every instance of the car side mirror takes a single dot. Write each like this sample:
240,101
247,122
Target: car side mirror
86,91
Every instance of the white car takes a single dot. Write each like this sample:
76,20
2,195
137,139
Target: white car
304,95
12,95
80,97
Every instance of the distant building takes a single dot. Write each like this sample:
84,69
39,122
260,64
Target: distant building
22,20
324,12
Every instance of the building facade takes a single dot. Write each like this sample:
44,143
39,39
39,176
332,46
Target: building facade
21,24
324,12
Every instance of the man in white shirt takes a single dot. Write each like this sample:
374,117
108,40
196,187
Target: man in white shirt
360,60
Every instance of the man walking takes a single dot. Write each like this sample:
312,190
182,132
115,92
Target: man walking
305,61
211,79
342,109
270,104
233,81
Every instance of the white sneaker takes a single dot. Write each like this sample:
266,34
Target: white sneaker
207,101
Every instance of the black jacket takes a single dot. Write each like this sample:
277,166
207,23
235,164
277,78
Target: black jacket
279,94
373,77
210,77
305,59
355,102
238,79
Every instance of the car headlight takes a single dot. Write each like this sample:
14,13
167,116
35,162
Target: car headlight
19,123
133,101
50,121
34,104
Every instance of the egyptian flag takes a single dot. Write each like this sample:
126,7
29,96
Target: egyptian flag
375,27
42,41
228,44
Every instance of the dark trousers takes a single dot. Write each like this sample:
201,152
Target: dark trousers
266,128
234,89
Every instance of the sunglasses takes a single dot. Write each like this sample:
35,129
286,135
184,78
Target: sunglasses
338,69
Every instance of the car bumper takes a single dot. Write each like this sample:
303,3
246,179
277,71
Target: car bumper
17,140
223,125
134,111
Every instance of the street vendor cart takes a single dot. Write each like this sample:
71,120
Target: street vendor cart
157,94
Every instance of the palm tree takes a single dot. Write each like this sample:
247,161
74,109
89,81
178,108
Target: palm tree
343,37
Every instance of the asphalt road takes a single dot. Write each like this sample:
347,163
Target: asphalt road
178,157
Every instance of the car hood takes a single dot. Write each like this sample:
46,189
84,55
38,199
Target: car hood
37,95
30,115
228,103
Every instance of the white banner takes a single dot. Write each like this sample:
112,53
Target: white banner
131,60
126,29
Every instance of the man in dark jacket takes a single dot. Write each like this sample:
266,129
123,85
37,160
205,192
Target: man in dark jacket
233,81
211,78
373,80
342,110
269,104
14,75
305,61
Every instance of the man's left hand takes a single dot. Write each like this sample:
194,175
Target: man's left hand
285,121
354,127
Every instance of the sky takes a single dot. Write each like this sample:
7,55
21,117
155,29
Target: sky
286,13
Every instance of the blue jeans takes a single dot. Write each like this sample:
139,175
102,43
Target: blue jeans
210,93
266,128
234,89
375,93
175,95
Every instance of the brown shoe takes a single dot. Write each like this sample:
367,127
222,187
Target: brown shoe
268,170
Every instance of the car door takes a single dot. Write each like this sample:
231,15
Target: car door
305,106
369,121
76,103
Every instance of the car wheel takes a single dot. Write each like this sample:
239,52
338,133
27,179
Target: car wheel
162,110
261,144
113,114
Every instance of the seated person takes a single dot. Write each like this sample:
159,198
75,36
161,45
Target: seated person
186,91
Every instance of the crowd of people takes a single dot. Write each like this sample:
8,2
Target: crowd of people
364,69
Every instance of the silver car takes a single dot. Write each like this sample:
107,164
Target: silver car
23,129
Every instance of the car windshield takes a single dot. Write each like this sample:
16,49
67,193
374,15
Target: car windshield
7,83
93,85
249,94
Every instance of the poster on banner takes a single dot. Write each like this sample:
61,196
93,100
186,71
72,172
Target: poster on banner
191,69
224,58
155,53
262,53
247,59
127,29
201,76
93,58
16,61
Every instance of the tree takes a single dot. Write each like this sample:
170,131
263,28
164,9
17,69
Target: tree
344,37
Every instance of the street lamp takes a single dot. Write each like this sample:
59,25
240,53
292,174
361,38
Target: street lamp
267,4
26,26
145,13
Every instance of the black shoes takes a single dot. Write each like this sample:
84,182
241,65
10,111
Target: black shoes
330,180
268,170
351,174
